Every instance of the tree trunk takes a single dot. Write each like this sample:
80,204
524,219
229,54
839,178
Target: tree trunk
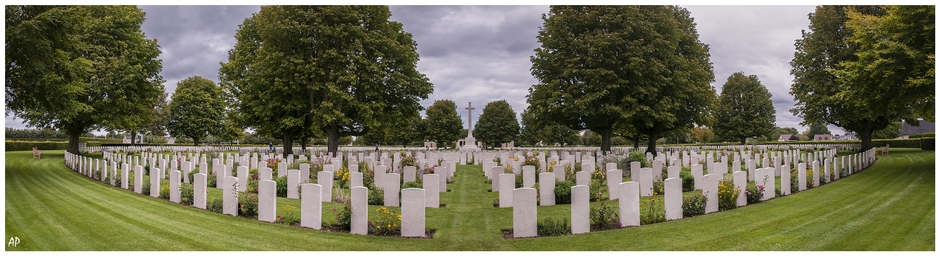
303,144
332,137
636,142
195,141
605,139
133,137
288,145
865,136
651,146
73,142
743,140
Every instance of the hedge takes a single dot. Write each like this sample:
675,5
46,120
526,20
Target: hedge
41,145
922,135
927,143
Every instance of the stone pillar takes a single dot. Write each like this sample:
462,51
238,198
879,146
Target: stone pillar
311,207
392,187
125,176
267,200
293,179
528,176
360,210
673,199
524,213
816,171
229,199
154,182
710,189
507,182
547,189
432,197
199,189
629,204
175,186
657,171
325,179
412,212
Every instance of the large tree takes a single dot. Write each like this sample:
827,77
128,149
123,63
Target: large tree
603,67
861,70
297,71
197,109
744,109
80,68
497,124
442,124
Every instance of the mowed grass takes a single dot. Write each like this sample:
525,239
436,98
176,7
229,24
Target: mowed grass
890,206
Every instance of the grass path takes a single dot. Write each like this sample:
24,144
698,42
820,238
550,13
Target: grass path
890,206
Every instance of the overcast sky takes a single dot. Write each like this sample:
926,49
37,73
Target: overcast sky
481,54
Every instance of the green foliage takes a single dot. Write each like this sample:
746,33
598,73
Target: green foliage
497,124
165,192
927,144
442,123
212,181
103,70
187,194
197,109
376,197
47,133
281,186
655,211
248,204
605,215
658,187
385,223
29,145
215,206
146,185
754,193
596,190
744,109
550,227
693,205
412,184
344,217
252,181
563,191
291,55
727,195
290,216
922,135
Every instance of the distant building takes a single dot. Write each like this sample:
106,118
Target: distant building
127,139
508,145
787,137
847,136
907,130
170,140
430,145
822,137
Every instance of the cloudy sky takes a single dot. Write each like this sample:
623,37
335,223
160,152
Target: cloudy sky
481,54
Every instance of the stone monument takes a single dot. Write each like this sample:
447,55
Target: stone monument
470,144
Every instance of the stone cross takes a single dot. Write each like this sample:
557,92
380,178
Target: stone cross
469,109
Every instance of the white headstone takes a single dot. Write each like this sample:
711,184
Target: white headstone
673,199
740,183
267,200
646,181
559,171
139,179
494,174
408,173
614,178
528,176
175,186
629,204
697,176
524,213
392,187
311,206
360,210
710,189
580,210
229,199
546,189
507,182
432,198
199,189
412,212
801,176
583,178
293,179
325,179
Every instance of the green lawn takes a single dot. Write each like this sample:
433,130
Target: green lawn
890,206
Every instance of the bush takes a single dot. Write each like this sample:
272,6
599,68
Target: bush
147,169
376,197
281,186
533,161
927,144
146,185
290,216
809,179
550,227
412,184
248,204
342,177
386,223
688,181
794,181
693,205
252,181
563,191
656,211
165,192
216,206
922,135
727,195
605,216
754,193
212,181
344,218
192,175
41,145
597,189
658,187
186,194
635,156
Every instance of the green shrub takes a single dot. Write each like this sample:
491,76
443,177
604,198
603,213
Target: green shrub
597,189
186,194
376,197
519,181
248,204
146,185
563,191
794,181
927,144
192,175
281,184
727,195
754,193
922,135
213,181
655,211
147,169
40,145
688,181
693,205
385,223
605,215
252,181
550,227
290,215
658,187
344,217
412,184
165,192
216,206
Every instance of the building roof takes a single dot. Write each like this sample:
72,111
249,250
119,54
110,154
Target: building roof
924,126
787,137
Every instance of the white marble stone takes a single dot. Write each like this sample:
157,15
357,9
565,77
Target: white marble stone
199,189
412,212
697,176
229,199
175,186
646,181
740,183
325,179
816,172
360,210
583,178
580,210
801,176
546,189
559,171
784,180
657,170
629,204
614,178
139,179
524,213
710,188
311,207
432,198
392,187
507,182
673,171
494,173
267,200
304,173
528,176
767,179
672,200
265,173
634,170
293,180
154,183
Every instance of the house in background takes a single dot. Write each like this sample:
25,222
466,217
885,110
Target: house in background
847,136
127,139
170,140
907,130
787,137
822,137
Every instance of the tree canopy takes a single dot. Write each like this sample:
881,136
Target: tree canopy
442,124
744,109
603,67
497,124
334,70
79,68
864,67
197,109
